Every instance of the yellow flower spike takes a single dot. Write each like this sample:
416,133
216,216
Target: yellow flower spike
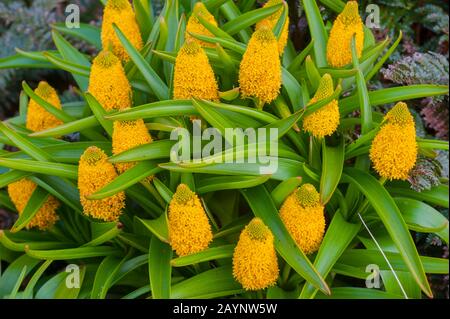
302,214
121,13
20,193
95,172
108,82
394,149
272,20
38,119
255,264
195,26
347,23
260,69
193,75
325,120
189,228
127,135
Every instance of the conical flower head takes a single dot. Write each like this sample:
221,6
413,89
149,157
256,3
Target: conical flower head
189,228
108,82
255,264
271,22
121,13
20,193
127,135
302,214
347,23
195,26
260,69
95,172
193,75
38,119
325,120
394,149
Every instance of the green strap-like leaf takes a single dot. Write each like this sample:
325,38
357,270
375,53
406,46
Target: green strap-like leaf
99,113
71,54
75,69
87,32
73,253
423,218
160,270
154,150
363,94
213,283
391,95
48,168
23,143
391,217
157,227
437,195
211,184
12,274
335,5
104,276
37,199
11,177
130,177
212,253
332,164
154,81
249,18
71,127
318,32
337,238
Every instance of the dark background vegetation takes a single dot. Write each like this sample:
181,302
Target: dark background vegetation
422,57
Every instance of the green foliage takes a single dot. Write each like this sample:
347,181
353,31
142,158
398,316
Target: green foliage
132,257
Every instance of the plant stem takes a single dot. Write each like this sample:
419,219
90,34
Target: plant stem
152,190
365,205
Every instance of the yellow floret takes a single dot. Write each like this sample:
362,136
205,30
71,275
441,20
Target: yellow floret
20,193
325,120
127,135
189,228
260,69
95,172
255,264
193,75
303,216
195,26
394,149
348,23
121,13
399,115
272,20
108,82
38,119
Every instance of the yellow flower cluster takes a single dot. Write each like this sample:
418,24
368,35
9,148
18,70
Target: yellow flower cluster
121,13
255,264
38,119
347,23
325,120
127,135
394,148
95,172
108,82
302,214
193,75
189,228
20,193
260,69
271,22
195,26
